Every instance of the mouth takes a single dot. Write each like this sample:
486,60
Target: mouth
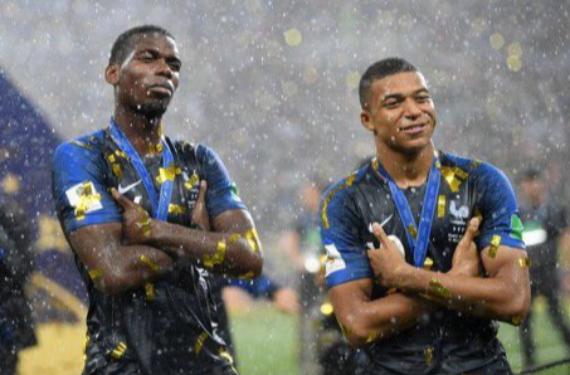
412,129
163,89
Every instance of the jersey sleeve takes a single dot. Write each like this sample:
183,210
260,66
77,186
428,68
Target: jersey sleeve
78,187
222,191
261,286
498,205
346,253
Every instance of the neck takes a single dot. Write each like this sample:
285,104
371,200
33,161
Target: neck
142,131
406,169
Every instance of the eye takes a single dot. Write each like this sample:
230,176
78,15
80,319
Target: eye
391,103
423,98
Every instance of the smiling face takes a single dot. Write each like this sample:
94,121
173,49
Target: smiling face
148,77
400,112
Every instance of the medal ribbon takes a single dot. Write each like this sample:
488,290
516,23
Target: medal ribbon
159,200
418,239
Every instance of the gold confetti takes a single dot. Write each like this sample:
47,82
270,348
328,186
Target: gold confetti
149,291
324,217
155,149
95,274
517,320
176,209
454,176
149,263
293,37
372,336
167,174
117,170
524,262
227,356
441,204
252,239
119,351
428,264
121,154
495,242
247,276
144,225
437,289
412,230
428,355
200,342
192,181
218,257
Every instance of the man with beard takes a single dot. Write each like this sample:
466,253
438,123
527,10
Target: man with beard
416,301
149,219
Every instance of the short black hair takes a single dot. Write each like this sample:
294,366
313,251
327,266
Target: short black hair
126,41
379,70
531,174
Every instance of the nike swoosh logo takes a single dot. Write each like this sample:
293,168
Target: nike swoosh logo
123,190
381,224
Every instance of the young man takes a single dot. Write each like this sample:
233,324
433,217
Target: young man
148,220
546,230
425,299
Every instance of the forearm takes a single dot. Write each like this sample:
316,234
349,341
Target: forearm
496,297
382,318
237,254
137,265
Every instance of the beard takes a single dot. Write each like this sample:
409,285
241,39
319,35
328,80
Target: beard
152,108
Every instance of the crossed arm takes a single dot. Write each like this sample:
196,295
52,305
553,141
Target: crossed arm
121,256
503,294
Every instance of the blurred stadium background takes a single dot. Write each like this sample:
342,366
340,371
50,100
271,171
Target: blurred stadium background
272,86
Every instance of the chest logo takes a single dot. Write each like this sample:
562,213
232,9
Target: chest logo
459,214
124,189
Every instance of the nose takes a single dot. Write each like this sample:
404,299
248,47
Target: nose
164,69
411,108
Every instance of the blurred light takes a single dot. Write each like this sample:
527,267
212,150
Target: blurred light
10,184
514,63
289,88
534,237
497,41
310,75
327,308
352,80
312,264
515,49
293,37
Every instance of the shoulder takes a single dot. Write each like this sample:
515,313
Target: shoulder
81,147
339,197
475,170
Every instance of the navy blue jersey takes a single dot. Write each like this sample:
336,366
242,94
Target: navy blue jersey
169,326
468,188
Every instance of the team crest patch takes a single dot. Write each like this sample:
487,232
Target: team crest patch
334,260
84,198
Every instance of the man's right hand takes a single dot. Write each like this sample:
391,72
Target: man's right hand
466,259
136,221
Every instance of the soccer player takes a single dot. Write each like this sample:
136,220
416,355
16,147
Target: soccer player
546,230
149,220
426,298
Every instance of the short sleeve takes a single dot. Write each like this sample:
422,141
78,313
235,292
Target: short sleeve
261,286
497,203
78,187
340,226
222,192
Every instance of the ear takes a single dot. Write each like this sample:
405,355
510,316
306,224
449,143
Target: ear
112,74
366,120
